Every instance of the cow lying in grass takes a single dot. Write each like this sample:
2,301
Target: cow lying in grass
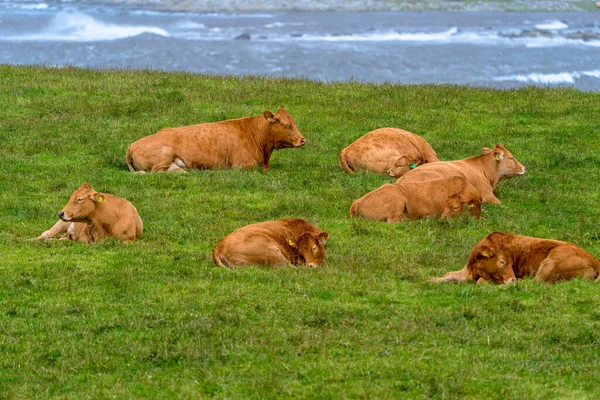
483,171
404,201
235,143
90,216
272,243
389,151
503,258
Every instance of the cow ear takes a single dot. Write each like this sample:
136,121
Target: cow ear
500,146
293,243
487,253
269,116
85,186
485,150
322,238
498,155
97,197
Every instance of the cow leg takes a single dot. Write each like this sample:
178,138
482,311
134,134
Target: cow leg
547,272
488,197
397,218
59,227
563,265
454,276
177,165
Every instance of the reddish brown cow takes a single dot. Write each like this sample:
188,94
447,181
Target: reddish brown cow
387,150
236,143
503,258
399,202
273,243
482,171
90,216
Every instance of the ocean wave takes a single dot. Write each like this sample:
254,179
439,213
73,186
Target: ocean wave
552,26
79,27
384,36
552,79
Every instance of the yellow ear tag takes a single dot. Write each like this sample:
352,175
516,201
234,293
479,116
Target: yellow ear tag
99,200
497,157
485,254
471,205
292,243
270,120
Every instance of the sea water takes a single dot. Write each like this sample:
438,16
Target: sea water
489,49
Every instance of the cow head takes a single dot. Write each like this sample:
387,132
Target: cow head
455,206
507,164
311,248
401,165
81,205
488,262
283,130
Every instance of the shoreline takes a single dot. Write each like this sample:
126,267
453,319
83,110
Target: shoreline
229,6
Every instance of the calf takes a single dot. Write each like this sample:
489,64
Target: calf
387,150
90,216
483,171
404,201
272,243
236,143
503,258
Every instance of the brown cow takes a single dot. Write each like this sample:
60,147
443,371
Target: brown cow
405,201
387,150
273,243
482,171
503,258
90,216
235,143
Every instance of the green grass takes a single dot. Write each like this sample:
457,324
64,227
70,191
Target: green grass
156,319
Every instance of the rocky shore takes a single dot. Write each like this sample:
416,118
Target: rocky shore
354,5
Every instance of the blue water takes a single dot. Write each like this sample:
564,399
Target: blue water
491,49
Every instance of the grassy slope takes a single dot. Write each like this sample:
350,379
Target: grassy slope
157,319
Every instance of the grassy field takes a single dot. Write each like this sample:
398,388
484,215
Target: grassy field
156,319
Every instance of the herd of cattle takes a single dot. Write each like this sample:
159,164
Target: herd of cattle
425,186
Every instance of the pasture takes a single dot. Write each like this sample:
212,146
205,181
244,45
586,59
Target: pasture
156,318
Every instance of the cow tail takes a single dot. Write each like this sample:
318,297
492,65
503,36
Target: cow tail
346,162
354,209
219,259
129,159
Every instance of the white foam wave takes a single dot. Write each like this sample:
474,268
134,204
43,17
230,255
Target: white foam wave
78,27
552,26
190,25
41,6
384,36
551,79
282,24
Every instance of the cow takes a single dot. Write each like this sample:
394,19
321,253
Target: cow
391,151
236,143
504,258
90,216
272,243
446,197
482,171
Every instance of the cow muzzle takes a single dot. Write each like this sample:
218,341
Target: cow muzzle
62,215
301,142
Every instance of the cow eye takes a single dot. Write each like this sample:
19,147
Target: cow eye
502,262
314,249
79,200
